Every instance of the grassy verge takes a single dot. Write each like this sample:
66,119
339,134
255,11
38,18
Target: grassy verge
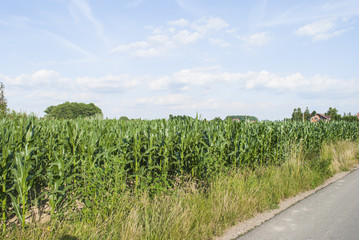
190,212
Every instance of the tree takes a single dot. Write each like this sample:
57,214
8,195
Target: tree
73,110
297,114
124,118
349,117
333,113
306,114
179,117
313,114
3,103
216,119
242,118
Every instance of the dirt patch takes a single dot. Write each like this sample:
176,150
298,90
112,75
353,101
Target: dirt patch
245,226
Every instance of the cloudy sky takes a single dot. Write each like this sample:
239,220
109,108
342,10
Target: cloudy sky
151,58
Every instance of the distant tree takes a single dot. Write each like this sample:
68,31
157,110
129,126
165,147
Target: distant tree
333,113
124,118
73,110
297,114
349,117
216,119
313,114
242,118
179,117
306,114
49,110
3,103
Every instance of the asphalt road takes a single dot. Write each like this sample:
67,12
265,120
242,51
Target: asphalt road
331,213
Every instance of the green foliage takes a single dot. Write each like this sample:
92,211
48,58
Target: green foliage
297,114
124,118
187,211
333,113
216,119
179,117
307,115
73,110
350,118
66,160
3,103
241,118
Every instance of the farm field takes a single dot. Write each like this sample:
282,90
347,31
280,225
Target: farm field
124,178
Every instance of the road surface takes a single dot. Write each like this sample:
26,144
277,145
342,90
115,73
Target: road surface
331,213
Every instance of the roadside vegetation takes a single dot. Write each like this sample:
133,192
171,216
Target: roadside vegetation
163,179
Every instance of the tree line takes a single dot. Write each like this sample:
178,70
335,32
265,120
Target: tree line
298,115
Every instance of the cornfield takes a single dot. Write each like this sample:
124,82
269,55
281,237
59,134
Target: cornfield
62,162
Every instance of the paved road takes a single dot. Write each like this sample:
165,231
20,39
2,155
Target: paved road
331,213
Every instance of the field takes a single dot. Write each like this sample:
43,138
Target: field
90,171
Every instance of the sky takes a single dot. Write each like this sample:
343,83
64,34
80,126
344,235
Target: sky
151,58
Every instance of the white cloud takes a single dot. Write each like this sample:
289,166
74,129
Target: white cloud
296,83
206,25
186,37
159,84
43,78
186,104
142,49
219,42
147,53
214,104
131,46
57,96
185,79
323,29
203,76
317,27
326,36
166,100
109,83
163,40
48,79
179,23
256,40
213,77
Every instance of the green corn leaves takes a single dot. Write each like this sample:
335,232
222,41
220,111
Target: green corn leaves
62,159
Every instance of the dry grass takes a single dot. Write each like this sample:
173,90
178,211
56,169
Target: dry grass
343,155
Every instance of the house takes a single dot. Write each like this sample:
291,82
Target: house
320,117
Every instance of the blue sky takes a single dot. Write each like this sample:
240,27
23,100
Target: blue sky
151,58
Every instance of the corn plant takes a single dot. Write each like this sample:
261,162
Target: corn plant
5,166
21,184
59,177
70,158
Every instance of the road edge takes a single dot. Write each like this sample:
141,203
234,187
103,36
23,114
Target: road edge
249,224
